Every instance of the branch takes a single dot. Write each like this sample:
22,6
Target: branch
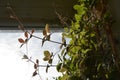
41,64
23,29
47,40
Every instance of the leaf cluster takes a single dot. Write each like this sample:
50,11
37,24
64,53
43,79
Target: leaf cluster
27,36
89,53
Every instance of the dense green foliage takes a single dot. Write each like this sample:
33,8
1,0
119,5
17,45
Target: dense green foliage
90,54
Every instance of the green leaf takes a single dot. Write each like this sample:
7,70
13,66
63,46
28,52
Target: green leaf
50,61
58,66
98,67
92,35
78,18
76,7
46,58
25,57
66,29
84,51
47,54
62,69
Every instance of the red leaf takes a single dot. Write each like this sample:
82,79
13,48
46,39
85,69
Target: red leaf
26,34
21,40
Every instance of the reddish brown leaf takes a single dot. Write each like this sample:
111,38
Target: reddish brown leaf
35,66
37,61
33,30
21,40
26,34
48,37
26,40
34,73
44,32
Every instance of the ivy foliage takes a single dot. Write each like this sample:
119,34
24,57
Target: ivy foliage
89,54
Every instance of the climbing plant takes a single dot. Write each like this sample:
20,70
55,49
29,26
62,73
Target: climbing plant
91,53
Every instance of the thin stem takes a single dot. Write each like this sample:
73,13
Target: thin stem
27,48
41,65
48,40
14,15
39,74
22,26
